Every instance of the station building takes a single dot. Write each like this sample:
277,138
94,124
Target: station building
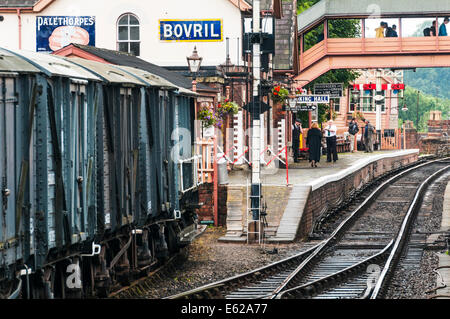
165,34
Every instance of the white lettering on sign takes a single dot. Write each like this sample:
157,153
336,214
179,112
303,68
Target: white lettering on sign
189,30
178,30
167,30
63,21
197,30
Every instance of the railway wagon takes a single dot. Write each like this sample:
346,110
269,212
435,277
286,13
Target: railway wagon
91,176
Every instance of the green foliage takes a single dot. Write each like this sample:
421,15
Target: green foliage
279,94
344,28
431,81
207,117
303,5
426,104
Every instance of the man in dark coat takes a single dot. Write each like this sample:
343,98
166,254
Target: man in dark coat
314,142
353,129
297,130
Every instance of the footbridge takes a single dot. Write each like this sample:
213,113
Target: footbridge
341,35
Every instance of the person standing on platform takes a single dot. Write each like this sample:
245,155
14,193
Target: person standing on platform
297,130
353,129
443,28
368,137
314,142
330,134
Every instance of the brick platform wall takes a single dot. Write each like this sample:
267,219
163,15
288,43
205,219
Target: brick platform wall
333,193
206,197
411,138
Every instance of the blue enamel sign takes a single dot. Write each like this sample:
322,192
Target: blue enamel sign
56,32
313,99
190,30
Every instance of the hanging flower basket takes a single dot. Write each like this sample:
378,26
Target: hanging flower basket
279,94
207,117
226,108
333,114
358,115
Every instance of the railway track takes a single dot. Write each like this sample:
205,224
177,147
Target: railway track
354,259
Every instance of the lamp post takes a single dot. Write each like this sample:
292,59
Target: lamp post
194,61
417,111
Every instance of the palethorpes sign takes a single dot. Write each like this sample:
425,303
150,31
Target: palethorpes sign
55,32
190,30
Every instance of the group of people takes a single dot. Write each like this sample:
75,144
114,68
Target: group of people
431,31
314,142
315,136
385,31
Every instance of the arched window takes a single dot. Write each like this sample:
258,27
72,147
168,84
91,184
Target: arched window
128,37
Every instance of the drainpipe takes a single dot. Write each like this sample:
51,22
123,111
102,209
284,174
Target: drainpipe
19,17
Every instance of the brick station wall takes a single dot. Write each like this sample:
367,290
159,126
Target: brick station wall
206,197
333,193
432,142
411,138
437,128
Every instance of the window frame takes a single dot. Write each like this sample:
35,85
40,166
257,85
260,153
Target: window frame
128,41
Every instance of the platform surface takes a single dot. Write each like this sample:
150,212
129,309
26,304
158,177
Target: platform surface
444,258
303,179
303,174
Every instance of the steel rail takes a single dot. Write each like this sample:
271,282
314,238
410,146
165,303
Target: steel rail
394,247
313,286
290,280
219,287
402,236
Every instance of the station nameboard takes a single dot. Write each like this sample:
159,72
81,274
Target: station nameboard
190,30
313,99
55,32
331,89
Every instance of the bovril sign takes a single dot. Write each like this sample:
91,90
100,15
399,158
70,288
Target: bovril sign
190,30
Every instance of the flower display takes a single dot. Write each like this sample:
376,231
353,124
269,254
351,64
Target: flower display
207,116
358,115
279,94
210,117
228,107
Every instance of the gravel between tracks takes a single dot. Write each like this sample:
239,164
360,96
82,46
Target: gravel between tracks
209,260
419,283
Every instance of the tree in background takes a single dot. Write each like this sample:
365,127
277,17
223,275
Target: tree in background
427,103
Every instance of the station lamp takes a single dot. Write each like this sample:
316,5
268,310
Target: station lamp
292,103
194,62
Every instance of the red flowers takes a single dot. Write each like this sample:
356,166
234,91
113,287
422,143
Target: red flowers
277,88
